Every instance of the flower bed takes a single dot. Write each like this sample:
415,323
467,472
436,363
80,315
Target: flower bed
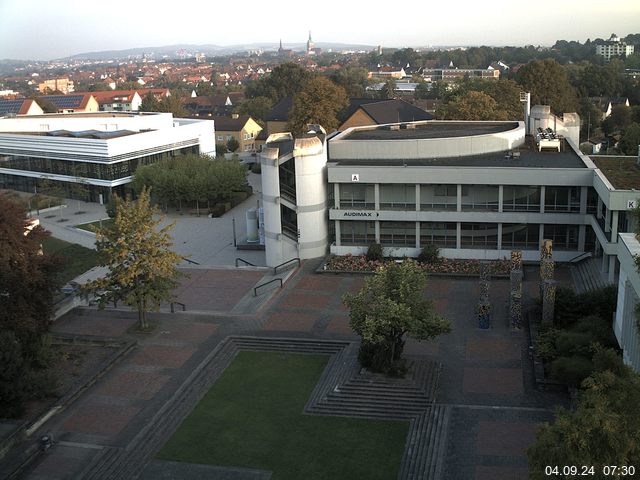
450,266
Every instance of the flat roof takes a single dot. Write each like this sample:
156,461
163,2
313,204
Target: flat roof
622,172
527,159
431,129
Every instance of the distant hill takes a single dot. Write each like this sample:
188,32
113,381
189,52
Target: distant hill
171,51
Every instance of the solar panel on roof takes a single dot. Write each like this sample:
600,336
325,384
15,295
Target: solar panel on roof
65,101
10,106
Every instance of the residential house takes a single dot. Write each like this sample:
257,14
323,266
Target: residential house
22,106
241,127
117,100
62,85
74,103
363,112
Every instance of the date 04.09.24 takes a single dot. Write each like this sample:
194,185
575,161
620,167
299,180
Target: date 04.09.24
589,470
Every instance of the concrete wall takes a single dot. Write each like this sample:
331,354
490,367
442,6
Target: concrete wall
342,148
624,325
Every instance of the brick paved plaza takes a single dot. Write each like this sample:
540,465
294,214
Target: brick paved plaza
486,378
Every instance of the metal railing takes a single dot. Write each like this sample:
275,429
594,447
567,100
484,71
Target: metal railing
238,259
580,257
255,290
275,269
190,261
173,310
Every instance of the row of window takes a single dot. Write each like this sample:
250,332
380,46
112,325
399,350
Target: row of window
472,235
99,171
473,197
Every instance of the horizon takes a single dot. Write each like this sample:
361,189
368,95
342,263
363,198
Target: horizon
69,26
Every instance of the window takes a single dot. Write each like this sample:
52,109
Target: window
564,237
221,138
229,137
398,234
520,236
520,199
480,197
562,199
358,195
357,233
397,196
442,235
479,235
435,197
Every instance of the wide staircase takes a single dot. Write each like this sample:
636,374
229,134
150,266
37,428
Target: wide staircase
587,275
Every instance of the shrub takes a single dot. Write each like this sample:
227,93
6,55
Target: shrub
375,357
256,168
575,343
570,307
598,328
571,370
374,253
13,388
221,148
429,254
546,345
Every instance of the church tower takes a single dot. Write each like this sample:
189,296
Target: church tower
310,45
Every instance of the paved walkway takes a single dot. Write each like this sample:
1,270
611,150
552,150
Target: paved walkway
207,241
486,382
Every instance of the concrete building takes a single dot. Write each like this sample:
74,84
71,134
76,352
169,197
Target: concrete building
614,47
99,150
241,127
62,85
117,100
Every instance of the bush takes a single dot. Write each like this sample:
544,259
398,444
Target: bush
569,343
374,253
429,254
546,345
13,387
221,148
598,328
570,307
571,370
256,168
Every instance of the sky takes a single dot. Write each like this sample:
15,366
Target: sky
45,30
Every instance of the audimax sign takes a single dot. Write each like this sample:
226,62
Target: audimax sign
361,214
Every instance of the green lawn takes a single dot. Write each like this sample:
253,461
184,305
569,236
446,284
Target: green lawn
93,226
252,418
76,259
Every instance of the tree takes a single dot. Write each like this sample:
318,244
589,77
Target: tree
142,269
630,140
318,103
149,103
549,84
353,79
284,81
389,89
389,306
233,144
603,430
471,106
28,282
257,108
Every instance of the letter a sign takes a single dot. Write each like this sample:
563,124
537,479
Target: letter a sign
355,177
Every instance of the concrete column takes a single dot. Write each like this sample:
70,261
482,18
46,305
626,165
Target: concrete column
417,197
500,200
614,226
584,191
459,200
543,192
605,263
337,228
612,268
582,235
336,195
458,232
376,199
417,234
607,221
599,208
377,231
500,227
